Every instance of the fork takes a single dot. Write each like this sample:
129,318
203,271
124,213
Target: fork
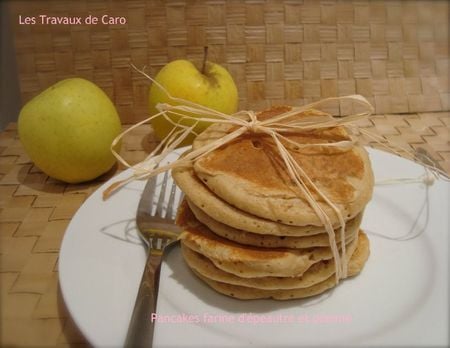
158,230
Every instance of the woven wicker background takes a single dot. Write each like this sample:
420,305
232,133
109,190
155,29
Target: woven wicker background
393,52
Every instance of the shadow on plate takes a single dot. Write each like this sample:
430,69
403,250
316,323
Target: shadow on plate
419,221
123,230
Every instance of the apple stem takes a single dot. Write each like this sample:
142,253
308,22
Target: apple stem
205,56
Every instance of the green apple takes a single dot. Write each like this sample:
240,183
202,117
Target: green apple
213,87
67,130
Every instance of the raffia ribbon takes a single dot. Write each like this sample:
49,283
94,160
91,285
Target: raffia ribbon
276,128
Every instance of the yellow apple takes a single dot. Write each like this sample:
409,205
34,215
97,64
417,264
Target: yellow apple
67,130
213,87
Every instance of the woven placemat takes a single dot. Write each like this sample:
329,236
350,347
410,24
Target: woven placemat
395,53
35,211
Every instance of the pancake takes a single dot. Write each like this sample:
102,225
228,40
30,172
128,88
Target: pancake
225,213
356,264
269,241
250,175
315,274
249,261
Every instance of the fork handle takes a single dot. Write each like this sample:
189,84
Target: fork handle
140,331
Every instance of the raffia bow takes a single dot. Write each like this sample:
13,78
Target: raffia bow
276,128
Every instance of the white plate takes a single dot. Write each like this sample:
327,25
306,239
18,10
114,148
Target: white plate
400,298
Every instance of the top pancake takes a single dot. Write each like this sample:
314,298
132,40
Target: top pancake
227,214
250,174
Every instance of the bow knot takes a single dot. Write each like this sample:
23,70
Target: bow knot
254,125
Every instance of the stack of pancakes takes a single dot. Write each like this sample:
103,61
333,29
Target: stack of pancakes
249,232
